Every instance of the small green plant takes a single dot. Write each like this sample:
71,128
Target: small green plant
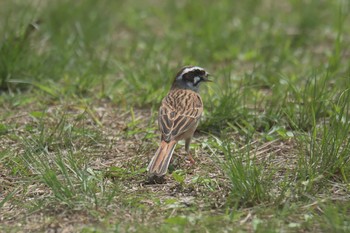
179,176
325,151
309,103
336,218
249,185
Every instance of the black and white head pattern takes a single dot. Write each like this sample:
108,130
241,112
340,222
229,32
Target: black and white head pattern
191,76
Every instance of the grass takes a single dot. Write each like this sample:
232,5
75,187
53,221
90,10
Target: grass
80,87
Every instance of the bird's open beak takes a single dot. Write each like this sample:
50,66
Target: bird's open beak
206,79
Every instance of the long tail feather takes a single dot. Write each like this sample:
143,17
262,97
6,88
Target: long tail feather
160,161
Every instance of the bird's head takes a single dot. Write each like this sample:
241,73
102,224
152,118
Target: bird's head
190,77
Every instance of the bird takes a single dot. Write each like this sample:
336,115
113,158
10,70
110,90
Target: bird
178,117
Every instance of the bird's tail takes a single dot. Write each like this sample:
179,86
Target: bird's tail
160,161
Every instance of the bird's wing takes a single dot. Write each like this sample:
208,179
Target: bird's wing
180,111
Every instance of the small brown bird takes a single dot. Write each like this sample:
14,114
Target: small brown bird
178,117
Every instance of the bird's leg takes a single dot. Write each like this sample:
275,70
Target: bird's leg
190,159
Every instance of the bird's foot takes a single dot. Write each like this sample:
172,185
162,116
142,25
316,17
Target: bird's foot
189,160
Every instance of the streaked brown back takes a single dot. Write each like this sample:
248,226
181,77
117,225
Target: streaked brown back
180,111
